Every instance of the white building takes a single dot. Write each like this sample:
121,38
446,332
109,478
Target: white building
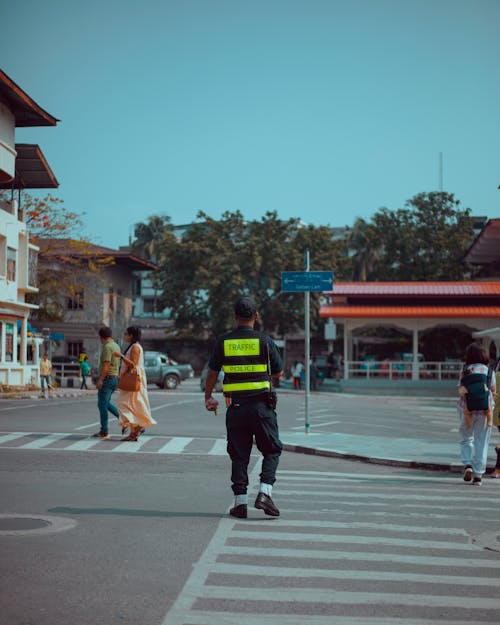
22,166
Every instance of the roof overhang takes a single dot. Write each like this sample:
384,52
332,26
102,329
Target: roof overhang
32,170
25,110
409,312
486,246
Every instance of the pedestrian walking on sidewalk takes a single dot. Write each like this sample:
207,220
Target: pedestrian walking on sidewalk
249,360
85,369
475,423
107,383
45,372
133,406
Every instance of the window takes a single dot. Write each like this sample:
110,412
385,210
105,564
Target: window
111,299
11,264
148,305
32,268
75,301
3,256
136,287
9,342
74,348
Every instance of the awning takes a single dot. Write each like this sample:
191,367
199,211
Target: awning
409,312
32,169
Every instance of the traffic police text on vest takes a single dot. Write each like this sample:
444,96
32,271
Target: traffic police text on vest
245,363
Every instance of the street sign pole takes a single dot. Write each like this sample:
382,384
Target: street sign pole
307,309
307,281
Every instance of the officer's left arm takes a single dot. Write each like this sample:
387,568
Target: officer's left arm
275,359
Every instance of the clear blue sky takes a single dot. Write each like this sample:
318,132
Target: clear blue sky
325,110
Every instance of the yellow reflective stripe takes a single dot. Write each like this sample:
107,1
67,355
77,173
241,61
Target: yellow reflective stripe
246,386
244,368
241,347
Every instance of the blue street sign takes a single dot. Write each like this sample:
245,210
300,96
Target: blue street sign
296,281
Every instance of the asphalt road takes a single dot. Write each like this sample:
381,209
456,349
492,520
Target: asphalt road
147,540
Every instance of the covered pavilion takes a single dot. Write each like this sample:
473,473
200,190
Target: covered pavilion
413,307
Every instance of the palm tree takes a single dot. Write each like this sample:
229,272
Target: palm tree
362,249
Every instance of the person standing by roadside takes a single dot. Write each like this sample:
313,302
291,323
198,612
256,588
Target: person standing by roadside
475,423
496,422
296,372
45,371
85,369
106,385
249,359
133,406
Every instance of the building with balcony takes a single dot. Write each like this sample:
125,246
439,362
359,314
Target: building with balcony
22,166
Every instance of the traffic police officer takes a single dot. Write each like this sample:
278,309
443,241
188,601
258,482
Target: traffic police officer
248,359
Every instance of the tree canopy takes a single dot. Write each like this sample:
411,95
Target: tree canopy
215,261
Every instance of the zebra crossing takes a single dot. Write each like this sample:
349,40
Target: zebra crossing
351,549
147,444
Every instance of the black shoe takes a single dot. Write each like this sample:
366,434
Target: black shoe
468,473
240,512
264,502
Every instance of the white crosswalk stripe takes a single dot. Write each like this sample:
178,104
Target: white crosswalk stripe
347,568
78,442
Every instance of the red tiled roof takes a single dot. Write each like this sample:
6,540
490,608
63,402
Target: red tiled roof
82,249
486,247
412,312
443,289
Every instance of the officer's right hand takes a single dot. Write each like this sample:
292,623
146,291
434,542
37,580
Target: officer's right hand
211,404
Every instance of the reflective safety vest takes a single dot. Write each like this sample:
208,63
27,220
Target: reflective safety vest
245,364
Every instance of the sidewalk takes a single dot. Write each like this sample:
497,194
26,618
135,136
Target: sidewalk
403,451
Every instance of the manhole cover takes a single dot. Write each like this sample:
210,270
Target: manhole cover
22,523
19,524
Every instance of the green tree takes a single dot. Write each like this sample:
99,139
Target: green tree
425,241
149,236
364,249
65,262
203,273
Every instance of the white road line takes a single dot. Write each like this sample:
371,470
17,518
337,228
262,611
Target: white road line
310,523
83,445
204,617
90,425
175,403
321,554
354,575
175,446
44,441
329,595
379,541
4,438
180,611
384,496
218,448
19,407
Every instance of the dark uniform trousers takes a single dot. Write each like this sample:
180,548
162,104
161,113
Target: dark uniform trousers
244,421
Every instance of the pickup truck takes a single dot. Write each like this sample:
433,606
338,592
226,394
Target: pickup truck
165,372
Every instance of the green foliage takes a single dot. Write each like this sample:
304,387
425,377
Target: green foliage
216,261
424,241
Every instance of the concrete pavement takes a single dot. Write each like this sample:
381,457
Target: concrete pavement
403,450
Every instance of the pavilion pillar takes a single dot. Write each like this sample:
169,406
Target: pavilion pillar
415,372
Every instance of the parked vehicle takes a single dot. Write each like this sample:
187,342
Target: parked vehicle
203,379
165,372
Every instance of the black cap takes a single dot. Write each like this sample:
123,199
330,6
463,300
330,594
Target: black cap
245,308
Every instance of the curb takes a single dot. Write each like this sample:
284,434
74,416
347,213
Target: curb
407,464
